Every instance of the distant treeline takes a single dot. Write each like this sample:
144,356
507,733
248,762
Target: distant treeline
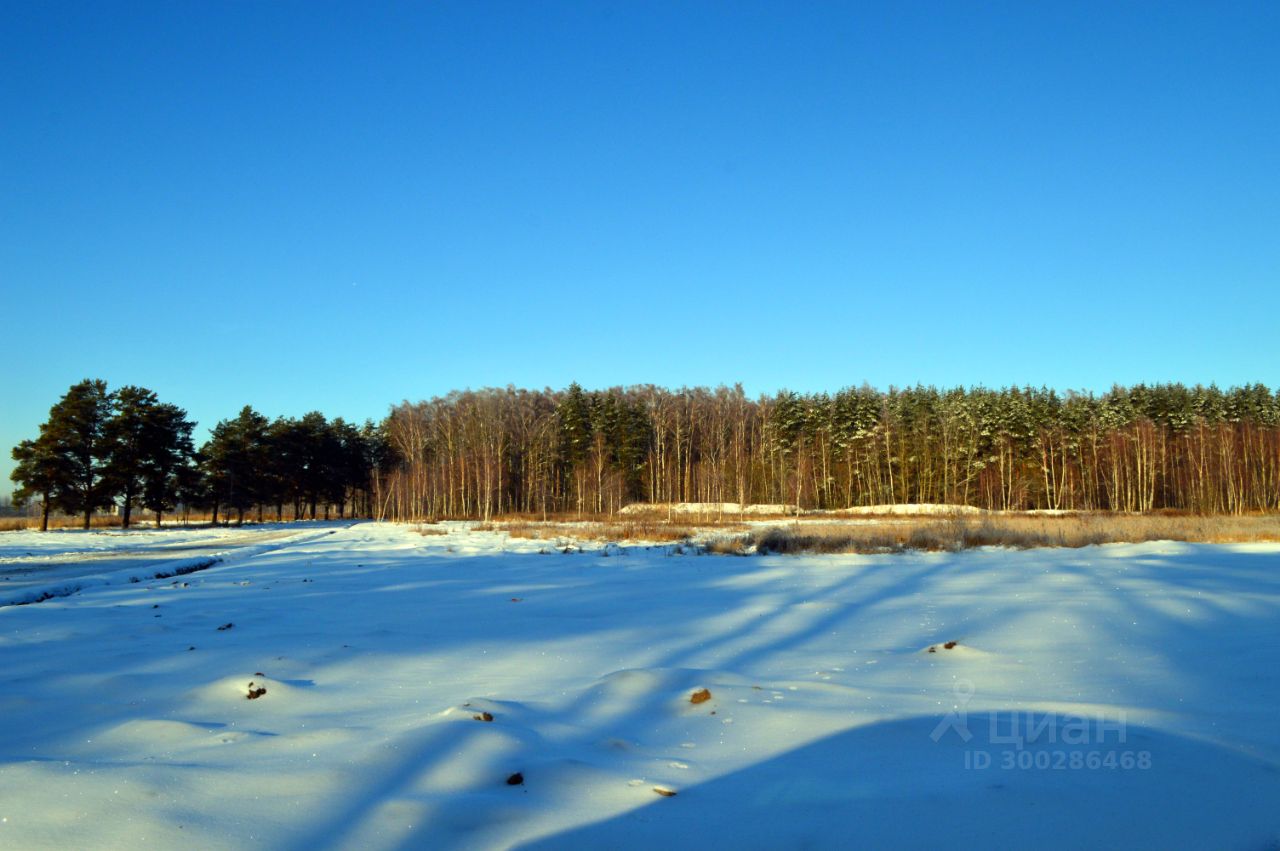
1200,449
495,451
126,449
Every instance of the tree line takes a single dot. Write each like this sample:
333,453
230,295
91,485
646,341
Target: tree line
508,450
1142,448
126,449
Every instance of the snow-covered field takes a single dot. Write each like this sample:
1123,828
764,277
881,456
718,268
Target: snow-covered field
36,566
1122,696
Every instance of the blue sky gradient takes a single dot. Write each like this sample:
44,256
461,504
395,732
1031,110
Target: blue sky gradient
337,206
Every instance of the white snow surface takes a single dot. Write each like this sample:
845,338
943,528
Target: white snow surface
36,566
1125,696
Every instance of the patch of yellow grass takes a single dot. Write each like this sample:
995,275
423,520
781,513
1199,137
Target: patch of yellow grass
898,532
630,529
1020,531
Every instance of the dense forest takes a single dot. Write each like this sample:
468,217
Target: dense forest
501,451
1198,449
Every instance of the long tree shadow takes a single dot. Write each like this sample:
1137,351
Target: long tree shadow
679,620
898,784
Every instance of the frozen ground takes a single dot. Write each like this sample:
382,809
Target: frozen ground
36,566
1118,696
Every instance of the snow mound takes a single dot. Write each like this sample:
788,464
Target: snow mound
236,689
657,692
954,650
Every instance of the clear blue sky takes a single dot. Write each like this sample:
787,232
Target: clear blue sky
342,205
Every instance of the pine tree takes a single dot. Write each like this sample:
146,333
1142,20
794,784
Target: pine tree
38,474
280,476
167,459
575,428
127,436
318,456
351,467
235,460
574,433
76,430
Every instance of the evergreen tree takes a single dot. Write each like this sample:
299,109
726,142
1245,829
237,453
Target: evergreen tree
281,476
575,428
235,460
192,488
128,436
37,475
351,468
318,455
76,430
167,461
574,440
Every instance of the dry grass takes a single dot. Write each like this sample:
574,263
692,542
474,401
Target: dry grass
629,529
141,519
102,521
898,533
1022,532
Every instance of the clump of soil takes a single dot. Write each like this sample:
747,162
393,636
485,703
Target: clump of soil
256,692
950,645
702,695
483,716
664,791
516,779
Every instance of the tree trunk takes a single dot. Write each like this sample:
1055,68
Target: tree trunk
44,514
